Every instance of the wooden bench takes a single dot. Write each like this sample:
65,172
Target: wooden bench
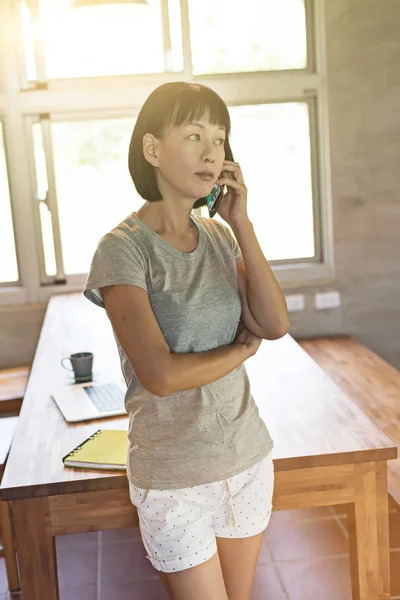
13,383
7,550
370,381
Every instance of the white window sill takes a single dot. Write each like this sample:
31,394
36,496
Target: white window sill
13,295
304,274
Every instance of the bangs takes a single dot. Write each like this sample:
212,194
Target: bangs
196,102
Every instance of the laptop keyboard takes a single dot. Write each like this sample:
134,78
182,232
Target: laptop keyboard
106,397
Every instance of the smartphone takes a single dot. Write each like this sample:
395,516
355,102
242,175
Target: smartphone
216,195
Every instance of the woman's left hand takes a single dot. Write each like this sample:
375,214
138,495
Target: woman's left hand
233,208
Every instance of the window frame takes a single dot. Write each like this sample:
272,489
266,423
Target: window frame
108,97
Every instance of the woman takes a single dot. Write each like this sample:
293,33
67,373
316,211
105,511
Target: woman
173,284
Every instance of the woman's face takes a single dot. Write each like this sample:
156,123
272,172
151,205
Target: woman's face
191,158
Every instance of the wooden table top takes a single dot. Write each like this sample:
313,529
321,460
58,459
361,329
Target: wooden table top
312,422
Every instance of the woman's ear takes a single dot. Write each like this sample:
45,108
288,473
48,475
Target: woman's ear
150,149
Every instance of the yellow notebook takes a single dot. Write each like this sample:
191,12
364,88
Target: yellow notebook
105,449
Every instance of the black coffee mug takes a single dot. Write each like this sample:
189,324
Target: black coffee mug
82,364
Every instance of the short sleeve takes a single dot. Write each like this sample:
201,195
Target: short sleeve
116,261
234,243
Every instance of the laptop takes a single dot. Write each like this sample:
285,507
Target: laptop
91,400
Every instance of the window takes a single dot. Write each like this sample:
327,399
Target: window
89,39
93,186
86,68
8,256
272,144
263,36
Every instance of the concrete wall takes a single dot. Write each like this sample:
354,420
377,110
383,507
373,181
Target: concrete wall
363,50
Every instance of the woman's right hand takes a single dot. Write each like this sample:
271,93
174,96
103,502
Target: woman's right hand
248,339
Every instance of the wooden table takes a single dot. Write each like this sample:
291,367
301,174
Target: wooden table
326,452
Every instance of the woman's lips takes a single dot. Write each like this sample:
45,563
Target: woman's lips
205,176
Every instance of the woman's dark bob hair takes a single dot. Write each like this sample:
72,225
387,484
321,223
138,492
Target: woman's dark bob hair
172,105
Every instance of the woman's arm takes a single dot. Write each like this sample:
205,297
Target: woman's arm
263,302
158,370
192,370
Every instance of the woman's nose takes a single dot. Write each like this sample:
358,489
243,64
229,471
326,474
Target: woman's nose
209,152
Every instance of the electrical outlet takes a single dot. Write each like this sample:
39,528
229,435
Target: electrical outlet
295,302
326,300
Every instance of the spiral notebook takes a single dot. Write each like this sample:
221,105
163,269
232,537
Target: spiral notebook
105,449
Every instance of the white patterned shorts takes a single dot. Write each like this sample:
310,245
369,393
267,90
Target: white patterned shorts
179,526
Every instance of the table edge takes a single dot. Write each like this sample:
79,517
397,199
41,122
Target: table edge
119,481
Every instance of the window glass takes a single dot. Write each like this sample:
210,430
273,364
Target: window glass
261,35
104,39
8,256
272,144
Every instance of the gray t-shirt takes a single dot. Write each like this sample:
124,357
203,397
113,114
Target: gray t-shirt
203,434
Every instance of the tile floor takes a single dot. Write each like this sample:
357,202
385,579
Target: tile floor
304,556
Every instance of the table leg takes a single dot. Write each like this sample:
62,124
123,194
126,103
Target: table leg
9,549
36,552
368,521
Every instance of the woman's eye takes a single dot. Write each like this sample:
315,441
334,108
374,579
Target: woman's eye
196,136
